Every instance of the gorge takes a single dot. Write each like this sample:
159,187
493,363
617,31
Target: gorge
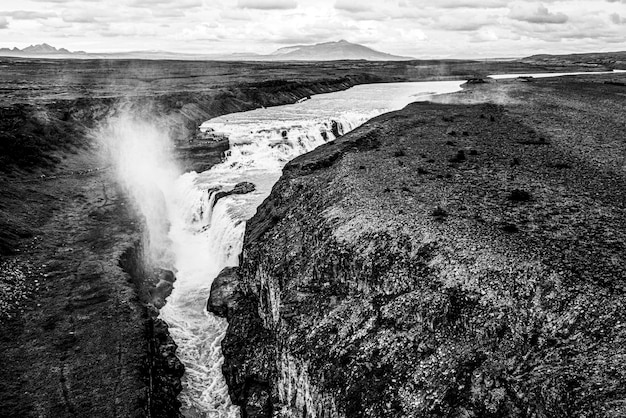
430,262
390,273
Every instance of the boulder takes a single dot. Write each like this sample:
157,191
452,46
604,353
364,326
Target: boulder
225,292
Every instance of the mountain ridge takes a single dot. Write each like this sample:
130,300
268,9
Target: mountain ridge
39,49
331,51
326,51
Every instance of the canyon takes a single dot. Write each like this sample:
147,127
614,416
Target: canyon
416,313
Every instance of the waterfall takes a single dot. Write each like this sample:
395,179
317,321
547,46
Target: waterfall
206,234
197,235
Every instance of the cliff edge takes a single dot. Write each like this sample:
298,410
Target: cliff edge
460,258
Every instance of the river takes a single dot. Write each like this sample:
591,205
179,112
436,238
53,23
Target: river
206,237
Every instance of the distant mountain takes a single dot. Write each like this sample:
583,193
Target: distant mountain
40,49
332,51
328,51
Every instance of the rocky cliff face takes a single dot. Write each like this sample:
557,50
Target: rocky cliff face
78,305
451,259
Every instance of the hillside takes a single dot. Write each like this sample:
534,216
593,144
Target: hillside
591,60
332,51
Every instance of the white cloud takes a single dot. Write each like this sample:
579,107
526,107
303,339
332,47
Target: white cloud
178,4
425,29
78,16
472,4
540,14
351,6
268,4
28,14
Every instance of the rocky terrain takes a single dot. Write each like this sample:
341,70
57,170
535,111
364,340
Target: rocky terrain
462,258
78,301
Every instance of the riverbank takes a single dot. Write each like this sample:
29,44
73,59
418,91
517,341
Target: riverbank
436,262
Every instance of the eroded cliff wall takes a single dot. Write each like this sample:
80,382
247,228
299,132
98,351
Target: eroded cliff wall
77,304
461,258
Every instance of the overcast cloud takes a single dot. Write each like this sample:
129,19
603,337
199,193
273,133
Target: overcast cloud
423,29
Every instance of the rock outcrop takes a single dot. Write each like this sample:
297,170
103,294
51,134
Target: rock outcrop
379,283
240,188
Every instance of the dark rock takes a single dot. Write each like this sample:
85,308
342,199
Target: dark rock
510,228
562,166
399,153
166,275
167,370
240,188
519,195
439,212
459,157
225,292
336,129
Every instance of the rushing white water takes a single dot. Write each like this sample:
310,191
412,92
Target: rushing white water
206,238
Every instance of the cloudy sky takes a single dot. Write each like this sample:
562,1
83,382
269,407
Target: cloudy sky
418,28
